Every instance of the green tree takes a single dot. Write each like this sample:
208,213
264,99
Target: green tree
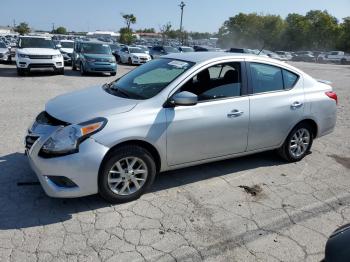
126,36
323,30
344,35
295,35
251,31
165,30
129,19
60,30
22,28
146,30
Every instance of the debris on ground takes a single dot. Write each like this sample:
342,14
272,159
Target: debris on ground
254,190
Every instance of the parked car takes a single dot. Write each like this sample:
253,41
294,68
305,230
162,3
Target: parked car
93,57
334,57
38,52
271,54
204,48
284,56
5,55
66,47
239,50
185,49
304,56
158,51
133,56
177,111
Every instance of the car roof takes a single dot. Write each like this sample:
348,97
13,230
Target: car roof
198,57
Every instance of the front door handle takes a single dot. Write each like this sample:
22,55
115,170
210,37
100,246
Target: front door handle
296,104
235,113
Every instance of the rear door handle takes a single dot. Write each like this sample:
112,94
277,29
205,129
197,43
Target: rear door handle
296,104
235,113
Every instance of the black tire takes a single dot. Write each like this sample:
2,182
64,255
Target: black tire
21,71
343,61
82,70
74,66
113,73
119,60
109,162
129,61
60,71
284,151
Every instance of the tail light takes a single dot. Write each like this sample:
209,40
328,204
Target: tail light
332,95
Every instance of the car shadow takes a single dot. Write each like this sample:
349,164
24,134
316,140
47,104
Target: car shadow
24,204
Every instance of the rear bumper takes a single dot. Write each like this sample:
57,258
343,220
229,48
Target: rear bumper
81,168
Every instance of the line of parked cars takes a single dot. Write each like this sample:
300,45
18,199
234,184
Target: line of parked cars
96,56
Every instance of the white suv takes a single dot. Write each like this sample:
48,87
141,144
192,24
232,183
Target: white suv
38,52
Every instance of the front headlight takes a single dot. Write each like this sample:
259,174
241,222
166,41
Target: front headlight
135,57
23,56
66,140
57,56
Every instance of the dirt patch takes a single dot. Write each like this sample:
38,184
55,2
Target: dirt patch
344,161
254,190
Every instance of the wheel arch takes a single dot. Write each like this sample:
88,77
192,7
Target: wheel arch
141,143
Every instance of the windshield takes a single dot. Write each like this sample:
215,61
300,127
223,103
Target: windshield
2,45
67,44
114,47
149,79
187,49
170,49
27,42
96,49
136,50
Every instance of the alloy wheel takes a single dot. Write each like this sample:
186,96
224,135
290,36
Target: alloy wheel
299,142
127,176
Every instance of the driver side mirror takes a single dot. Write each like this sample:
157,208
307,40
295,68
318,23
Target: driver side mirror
183,98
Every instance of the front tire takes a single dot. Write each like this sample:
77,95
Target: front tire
60,71
21,71
113,73
130,61
82,70
126,174
298,143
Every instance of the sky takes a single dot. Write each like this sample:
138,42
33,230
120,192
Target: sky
199,15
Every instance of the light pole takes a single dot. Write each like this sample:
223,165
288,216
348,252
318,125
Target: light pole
182,5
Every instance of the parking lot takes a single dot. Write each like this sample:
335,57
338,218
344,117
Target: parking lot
254,208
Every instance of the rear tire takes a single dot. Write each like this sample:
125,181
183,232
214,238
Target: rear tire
298,143
144,171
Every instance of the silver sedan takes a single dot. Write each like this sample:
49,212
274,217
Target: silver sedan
177,111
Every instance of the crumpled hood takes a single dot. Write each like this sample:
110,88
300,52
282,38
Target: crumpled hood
83,105
38,51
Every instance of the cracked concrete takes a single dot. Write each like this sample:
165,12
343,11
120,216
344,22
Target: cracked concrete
193,214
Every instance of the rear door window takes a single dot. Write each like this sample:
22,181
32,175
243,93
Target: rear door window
266,78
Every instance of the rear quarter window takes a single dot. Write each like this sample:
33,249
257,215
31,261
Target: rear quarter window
289,79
